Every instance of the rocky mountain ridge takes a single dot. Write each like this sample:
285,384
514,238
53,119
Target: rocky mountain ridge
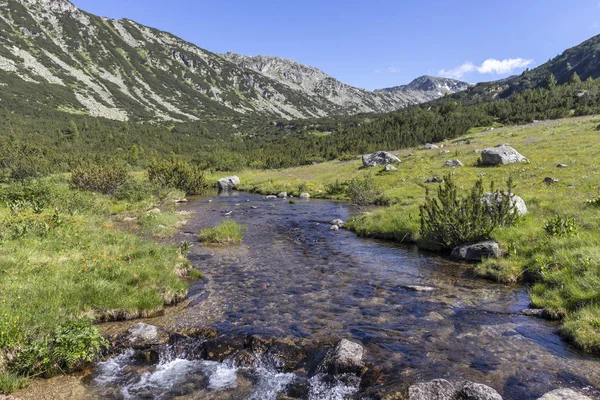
53,54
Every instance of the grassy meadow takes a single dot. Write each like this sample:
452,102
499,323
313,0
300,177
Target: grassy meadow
562,268
69,258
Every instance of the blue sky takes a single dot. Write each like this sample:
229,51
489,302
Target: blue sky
376,43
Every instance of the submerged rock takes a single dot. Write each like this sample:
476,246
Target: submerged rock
334,228
345,357
379,158
419,288
564,394
337,222
477,251
441,389
228,183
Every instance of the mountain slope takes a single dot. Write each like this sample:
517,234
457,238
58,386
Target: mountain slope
318,83
54,55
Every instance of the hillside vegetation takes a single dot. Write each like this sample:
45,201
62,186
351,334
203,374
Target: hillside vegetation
561,262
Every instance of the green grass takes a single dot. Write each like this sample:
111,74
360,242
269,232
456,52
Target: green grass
10,382
564,270
62,258
227,231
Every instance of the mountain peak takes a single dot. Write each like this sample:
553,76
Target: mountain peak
52,5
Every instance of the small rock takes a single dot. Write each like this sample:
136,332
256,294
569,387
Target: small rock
437,389
598,128
304,195
550,180
178,201
445,152
379,158
337,222
477,391
254,207
562,166
210,201
500,155
477,251
282,195
345,357
535,312
334,228
141,335
429,146
390,167
270,197
477,151
453,163
434,179
564,394
129,219
154,211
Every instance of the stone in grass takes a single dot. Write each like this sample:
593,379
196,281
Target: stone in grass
379,158
390,167
550,180
434,179
501,155
477,251
429,146
515,201
562,166
453,163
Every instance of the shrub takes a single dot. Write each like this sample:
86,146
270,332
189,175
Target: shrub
336,188
448,221
226,232
178,175
105,179
560,226
73,344
363,191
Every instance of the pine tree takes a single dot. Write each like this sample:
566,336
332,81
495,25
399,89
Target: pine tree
551,81
72,132
575,79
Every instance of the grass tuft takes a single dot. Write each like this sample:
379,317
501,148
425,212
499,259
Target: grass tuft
226,232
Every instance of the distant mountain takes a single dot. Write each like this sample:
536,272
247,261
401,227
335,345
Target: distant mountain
53,54
583,59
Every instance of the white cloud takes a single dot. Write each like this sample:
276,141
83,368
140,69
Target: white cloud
489,66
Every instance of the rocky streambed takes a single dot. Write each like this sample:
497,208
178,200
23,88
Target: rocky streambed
267,319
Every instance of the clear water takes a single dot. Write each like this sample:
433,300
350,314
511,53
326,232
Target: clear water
293,277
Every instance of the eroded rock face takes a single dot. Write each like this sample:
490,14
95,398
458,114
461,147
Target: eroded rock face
228,183
477,251
379,158
345,357
564,394
494,199
501,155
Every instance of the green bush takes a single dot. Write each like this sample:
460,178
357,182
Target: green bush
105,179
178,175
73,344
363,191
227,232
336,188
449,220
560,226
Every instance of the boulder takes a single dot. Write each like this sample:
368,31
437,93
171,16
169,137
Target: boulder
379,158
441,389
337,222
501,155
437,389
434,179
141,335
345,357
477,251
564,394
429,146
493,199
304,196
228,183
453,163
477,391
282,195
390,167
